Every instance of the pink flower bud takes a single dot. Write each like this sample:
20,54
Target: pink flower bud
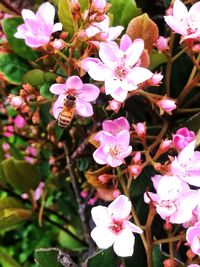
155,79
10,128
182,138
137,157
140,129
52,160
58,44
7,134
39,190
5,147
166,105
162,44
19,121
135,170
30,160
84,193
196,48
165,145
101,36
99,4
114,105
16,101
7,155
104,178
169,263
116,193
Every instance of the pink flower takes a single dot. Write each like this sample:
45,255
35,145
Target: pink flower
166,105
113,149
193,238
193,265
120,67
37,28
19,121
174,200
99,4
16,101
37,193
182,138
114,228
84,93
103,27
112,127
187,165
184,22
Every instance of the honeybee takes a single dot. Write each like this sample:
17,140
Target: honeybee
66,115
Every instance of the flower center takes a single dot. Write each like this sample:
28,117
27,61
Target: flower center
114,151
116,226
121,72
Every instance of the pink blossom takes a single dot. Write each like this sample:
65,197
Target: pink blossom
103,27
19,121
37,28
113,127
182,138
99,4
37,193
187,165
140,129
184,22
166,105
162,44
114,228
193,265
120,67
113,149
5,147
193,238
174,201
84,93
16,101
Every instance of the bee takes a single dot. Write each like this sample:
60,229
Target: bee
66,115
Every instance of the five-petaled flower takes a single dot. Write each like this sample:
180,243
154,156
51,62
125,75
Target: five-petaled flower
184,22
114,228
119,67
37,28
84,93
193,238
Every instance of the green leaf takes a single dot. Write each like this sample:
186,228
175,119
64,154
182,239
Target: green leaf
123,11
13,68
34,77
12,213
44,90
10,28
158,257
46,257
65,16
104,258
193,123
20,174
50,76
69,242
6,260
157,59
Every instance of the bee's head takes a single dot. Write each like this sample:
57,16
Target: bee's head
71,97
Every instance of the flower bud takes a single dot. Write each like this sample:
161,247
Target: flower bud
169,263
58,44
116,193
16,101
165,145
99,4
166,105
19,121
114,105
162,44
182,138
155,79
104,178
140,129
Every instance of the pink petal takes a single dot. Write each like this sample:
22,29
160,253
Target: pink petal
124,243
99,72
134,228
89,62
100,156
175,25
101,216
74,82
120,208
194,11
103,237
180,11
28,14
134,52
114,32
58,106
58,88
114,161
126,152
83,108
139,75
110,54
119,94
123,138
125,42
187,153
36,42
47,12
89,92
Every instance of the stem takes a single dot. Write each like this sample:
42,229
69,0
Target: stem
171,247
169,64
10,7
187,89
81,206
62,55
169,239
188,110
178,54
160,136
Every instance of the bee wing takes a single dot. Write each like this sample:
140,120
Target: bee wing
58,106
